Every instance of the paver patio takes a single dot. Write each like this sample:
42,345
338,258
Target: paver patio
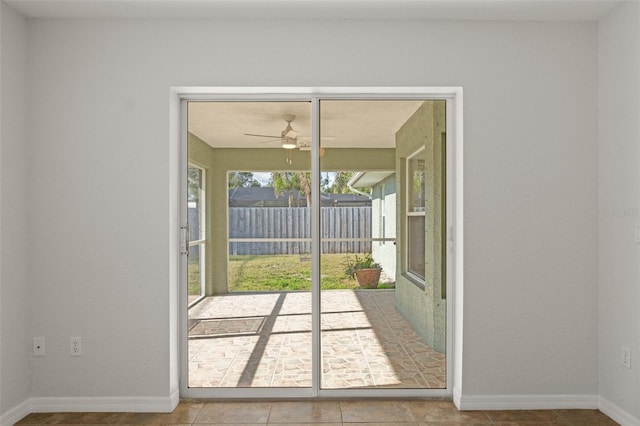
264,340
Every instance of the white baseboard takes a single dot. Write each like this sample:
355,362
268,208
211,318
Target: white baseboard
175,398
104,404
457,397
617,413
91,404
16,413
526,402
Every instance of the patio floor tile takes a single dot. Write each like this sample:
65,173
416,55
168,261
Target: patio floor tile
264,340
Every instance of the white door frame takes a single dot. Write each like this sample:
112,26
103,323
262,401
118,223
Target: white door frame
453,95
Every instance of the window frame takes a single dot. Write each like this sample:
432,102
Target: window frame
409,193
180,96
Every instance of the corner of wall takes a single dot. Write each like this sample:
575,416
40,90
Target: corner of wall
619,211
16,413
616,413
15,385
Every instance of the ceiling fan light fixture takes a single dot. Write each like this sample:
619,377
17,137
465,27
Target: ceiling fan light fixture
289,143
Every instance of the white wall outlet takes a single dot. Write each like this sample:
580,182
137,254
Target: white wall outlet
38,346
626,356
75,346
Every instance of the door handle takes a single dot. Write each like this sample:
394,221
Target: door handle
185,238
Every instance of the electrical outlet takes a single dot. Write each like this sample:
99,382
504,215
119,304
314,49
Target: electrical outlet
626,356
75,346
38,346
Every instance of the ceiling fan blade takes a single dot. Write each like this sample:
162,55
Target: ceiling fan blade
263,136
292,134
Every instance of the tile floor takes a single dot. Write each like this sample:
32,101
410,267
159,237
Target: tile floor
328,413
264,340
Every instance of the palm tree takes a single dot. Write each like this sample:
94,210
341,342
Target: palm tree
339,185
287,182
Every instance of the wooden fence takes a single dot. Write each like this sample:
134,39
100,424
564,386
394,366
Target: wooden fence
287,230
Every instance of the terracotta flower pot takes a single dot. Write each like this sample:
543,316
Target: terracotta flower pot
368,278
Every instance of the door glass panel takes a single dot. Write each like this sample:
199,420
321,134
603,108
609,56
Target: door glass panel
387,331
253,327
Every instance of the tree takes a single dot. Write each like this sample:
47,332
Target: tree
194,183
243,180
288,182
339,184
304,179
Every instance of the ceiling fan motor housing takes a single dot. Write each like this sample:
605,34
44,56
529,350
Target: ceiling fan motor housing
289,136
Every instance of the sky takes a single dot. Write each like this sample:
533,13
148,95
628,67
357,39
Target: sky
264,177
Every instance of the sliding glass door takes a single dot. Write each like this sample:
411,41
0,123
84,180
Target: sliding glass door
317,256
374,335
252,329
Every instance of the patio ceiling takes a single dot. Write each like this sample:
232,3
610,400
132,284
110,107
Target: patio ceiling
344,124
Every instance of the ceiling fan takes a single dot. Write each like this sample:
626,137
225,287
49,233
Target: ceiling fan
288,137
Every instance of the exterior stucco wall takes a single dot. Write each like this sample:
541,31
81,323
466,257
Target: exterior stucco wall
423,303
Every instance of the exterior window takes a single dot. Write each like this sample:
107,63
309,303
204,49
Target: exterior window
416,215
196,219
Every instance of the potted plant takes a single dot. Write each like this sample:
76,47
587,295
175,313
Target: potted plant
364,270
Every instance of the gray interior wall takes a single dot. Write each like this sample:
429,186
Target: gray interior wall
619,210
15,288
97,106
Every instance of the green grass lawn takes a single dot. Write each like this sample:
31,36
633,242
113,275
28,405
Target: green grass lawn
279,272
287,272
193,276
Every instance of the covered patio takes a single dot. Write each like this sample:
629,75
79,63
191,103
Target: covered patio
264,340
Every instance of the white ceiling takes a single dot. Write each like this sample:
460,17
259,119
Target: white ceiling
343,124
501,10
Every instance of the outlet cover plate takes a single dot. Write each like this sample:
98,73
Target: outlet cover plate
75,346
626,356
38,346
